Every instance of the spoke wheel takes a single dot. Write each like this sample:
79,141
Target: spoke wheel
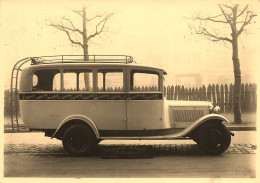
78,140
214,138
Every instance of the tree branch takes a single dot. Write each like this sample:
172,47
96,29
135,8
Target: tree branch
102,24
205,32
246,22
97,16
77,12
225,15
242,12
64,29
210,19
72,25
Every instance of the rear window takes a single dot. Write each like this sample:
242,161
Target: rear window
46,80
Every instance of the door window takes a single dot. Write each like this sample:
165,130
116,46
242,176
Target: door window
144,81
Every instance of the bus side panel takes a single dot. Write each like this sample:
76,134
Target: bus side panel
41,114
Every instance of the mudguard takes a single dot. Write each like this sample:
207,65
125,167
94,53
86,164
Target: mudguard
194,125
78,117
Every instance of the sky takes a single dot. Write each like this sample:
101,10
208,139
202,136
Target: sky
153,32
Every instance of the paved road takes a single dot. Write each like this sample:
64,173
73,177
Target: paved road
32,155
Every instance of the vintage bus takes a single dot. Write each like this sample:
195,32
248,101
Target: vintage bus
109,97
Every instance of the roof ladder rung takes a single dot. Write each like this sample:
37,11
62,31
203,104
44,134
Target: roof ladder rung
17,69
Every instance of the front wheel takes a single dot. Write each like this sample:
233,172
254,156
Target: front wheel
78,140
213,138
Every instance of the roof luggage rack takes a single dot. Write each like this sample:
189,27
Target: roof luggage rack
80,59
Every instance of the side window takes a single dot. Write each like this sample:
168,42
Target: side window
69,81
46,80
56,82
144,81
35,80
110,80
86,81
77,80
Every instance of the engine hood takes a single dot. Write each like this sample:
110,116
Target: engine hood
179,103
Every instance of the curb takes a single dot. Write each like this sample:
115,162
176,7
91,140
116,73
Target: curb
241,128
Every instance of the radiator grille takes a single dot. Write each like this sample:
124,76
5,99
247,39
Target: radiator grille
186,115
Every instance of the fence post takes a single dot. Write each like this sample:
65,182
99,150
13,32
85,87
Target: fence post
196,94
204,95
213,94
230,97
209,93
226,98
176,93
168,93
200,94
242,98
218,95
193,94
182,92
250,88
189,94
222,98
186,94
247,98
171,92
254,98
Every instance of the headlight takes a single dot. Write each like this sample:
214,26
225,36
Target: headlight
217,110
212,109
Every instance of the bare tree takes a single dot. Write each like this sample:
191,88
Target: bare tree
68,27
236,19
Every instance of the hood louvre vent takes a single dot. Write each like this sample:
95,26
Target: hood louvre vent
186,115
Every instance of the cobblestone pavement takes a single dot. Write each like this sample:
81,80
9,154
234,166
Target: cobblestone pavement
158,149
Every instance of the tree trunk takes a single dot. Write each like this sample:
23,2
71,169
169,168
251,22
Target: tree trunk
85,48
237,71
237,86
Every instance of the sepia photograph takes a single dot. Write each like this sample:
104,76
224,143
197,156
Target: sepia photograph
129,89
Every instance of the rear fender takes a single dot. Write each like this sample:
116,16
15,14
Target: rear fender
84,119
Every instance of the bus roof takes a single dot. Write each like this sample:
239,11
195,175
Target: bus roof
91,64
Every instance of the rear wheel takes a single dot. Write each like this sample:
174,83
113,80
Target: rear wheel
78,140
213,138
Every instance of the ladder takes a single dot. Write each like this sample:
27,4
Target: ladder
14,93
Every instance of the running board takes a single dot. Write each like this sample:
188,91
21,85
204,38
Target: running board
168,137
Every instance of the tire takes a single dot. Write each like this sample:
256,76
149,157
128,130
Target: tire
78,140
213,138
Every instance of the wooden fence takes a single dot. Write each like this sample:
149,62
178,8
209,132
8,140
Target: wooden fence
221,95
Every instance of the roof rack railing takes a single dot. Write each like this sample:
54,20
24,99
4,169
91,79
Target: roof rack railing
80,59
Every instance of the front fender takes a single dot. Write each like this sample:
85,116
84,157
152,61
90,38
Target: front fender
78,117
197,123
